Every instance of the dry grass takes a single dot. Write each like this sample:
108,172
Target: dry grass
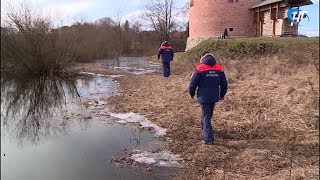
266,127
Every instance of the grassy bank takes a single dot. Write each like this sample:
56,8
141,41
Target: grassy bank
257,47
267,127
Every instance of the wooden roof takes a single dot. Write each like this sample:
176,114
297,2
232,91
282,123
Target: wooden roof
264,3
292,3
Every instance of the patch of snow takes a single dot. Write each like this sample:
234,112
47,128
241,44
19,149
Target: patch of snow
168,139
136,71
101,75
154,63
115,76
82,72
122,68
121,122
148,124
136,118
110,76
103,114
128,117
144,72
142,159
163,158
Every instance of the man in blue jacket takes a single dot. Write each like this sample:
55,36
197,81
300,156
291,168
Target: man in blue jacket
211,84
166,53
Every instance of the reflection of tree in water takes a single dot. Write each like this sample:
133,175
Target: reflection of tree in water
26,103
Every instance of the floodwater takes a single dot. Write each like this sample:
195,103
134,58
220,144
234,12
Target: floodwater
58,129
79,154
126,62
136,65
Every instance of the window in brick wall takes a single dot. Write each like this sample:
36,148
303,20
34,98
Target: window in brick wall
230,29
233,1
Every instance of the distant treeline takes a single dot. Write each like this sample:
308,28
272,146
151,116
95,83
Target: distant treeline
108,39
32,45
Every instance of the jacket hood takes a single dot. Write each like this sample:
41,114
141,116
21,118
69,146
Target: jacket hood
165,43
165,47
208,59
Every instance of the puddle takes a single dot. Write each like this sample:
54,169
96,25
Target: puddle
79,140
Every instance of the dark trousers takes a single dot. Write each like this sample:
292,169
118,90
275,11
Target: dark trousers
207,131
166,69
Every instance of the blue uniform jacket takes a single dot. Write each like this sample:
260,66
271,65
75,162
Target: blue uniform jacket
209,80
166,53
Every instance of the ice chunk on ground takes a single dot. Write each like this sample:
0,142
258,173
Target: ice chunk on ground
144,72
110,76
148,124
122,121
163,158
136,118
101,75
136,71
128,117
143,159
87,73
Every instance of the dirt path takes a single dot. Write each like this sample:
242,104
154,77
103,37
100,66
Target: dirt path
254,140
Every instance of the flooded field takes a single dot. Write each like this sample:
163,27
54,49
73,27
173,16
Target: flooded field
52,128
135,65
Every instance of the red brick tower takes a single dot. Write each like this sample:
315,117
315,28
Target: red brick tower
208,18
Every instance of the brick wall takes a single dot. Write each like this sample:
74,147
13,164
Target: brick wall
210,17
272,23
278,30
279,22
267,24
193,41
287,29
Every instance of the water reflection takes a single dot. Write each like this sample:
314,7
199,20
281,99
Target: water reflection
27,103
73,141
140,62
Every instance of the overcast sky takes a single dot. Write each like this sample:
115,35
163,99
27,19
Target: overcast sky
70,11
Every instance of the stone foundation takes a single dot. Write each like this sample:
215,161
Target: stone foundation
193,41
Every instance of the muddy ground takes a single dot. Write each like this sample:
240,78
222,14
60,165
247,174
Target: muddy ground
266,128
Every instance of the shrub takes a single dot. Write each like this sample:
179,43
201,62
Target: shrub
29,45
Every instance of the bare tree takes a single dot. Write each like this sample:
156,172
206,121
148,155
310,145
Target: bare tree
119,37
160,14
